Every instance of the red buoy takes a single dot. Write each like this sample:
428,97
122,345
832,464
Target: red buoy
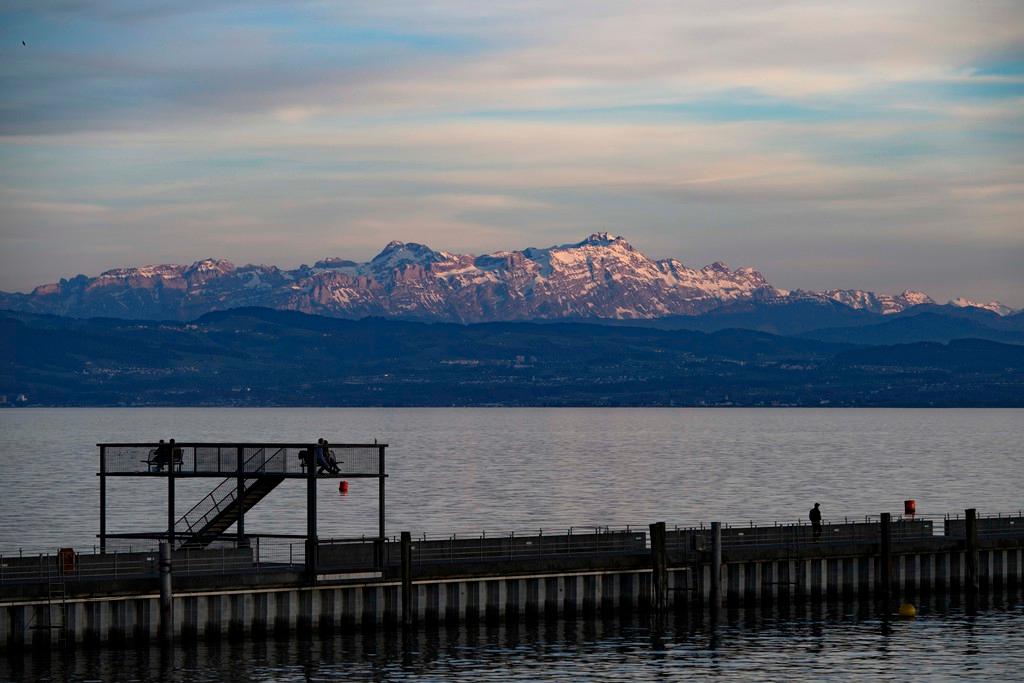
343,486
910,507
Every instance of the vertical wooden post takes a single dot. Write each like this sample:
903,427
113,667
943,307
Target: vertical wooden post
407,615
103,499
170,494
659,567
716,564
166,595
885,560
971,547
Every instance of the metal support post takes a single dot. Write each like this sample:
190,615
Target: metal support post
311,536
240,474
170,494
103,499
381,531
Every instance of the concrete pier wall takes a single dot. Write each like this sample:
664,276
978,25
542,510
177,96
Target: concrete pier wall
377,603
354,605
857,577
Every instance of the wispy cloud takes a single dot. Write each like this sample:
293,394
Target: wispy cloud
781,134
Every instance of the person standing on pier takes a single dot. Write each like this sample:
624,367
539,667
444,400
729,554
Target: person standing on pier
815,516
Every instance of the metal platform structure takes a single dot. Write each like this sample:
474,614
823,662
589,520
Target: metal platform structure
248,473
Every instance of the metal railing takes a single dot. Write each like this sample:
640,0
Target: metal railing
92,566
512,547
1009,526
225,494
575,542
210,459
371,553
796,534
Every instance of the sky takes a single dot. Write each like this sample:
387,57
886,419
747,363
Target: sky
872,145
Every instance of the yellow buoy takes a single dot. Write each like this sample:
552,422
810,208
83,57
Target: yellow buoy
908,611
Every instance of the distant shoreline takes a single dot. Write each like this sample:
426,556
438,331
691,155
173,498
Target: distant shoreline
503,407
267,358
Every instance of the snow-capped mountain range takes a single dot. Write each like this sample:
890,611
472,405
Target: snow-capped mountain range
600,277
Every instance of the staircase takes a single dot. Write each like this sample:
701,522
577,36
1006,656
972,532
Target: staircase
218,510
227,514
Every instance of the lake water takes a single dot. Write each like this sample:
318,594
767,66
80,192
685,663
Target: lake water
524,469
521,469
848,643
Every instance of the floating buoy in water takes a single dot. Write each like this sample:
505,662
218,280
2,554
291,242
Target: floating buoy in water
343,486
908,611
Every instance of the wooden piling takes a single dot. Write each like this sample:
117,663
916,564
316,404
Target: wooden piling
716,564
971,548
407,615
885,557
659,568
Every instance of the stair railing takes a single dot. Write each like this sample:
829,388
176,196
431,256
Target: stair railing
222,497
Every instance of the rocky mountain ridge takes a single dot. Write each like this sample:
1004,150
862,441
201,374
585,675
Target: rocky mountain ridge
601,277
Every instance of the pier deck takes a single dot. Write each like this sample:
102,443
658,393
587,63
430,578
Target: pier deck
243,582
362,582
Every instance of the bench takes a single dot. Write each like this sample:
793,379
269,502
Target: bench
156,462
306,457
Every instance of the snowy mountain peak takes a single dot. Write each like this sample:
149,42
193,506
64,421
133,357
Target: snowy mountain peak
332,262
885,304
914,298
994,306
601,239
157,271
602,276
211,265
397,253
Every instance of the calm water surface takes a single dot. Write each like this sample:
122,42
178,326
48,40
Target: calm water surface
519,469
842,643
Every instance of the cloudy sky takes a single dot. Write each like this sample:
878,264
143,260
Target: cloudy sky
870,145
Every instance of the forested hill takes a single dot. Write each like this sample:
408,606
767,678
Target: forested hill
260,356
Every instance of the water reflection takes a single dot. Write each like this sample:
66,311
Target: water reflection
801,643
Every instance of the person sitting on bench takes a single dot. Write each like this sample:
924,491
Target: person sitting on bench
325,459
332,462
160,456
